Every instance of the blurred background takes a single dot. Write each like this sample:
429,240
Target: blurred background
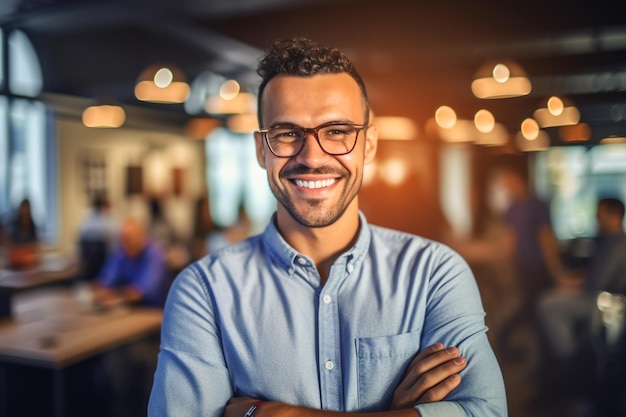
150,104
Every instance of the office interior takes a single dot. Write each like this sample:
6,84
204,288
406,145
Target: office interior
156,101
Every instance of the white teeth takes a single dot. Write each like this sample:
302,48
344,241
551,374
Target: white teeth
315,184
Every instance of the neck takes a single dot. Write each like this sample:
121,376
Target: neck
322,244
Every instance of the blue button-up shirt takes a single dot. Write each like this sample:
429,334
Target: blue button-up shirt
255,320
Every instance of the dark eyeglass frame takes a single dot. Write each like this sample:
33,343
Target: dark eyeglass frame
314,131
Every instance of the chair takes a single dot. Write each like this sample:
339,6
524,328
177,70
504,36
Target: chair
93,254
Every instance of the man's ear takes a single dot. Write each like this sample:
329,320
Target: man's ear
260,149
371,144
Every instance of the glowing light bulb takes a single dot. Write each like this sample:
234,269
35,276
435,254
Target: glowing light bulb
163,77
555,106
484,121
229,89
530,129
445,117
501,73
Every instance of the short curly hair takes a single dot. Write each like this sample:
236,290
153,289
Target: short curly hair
301,57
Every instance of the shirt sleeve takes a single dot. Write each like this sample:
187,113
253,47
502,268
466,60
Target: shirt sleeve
455,317
191,378
152,281
108,274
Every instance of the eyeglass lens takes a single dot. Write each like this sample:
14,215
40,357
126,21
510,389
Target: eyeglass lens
336,139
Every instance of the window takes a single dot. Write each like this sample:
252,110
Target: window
27,142
574,178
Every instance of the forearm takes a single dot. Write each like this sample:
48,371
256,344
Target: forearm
277,409
283,410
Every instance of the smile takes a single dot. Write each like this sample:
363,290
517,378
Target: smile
315,184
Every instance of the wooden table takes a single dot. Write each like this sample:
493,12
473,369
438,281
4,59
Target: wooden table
50,330
52,270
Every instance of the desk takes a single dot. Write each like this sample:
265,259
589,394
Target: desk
49,330
52,270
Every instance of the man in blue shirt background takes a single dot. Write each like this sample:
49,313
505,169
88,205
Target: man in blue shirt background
322,313
136,270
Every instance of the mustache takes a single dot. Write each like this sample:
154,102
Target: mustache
304,170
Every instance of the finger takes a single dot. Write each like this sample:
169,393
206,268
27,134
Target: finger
429,361
437,347
438,374
408,394
440,391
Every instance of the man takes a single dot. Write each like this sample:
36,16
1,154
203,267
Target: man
135,271
564,311
96,237
323,313
529,243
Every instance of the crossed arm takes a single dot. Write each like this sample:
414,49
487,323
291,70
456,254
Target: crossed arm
431,376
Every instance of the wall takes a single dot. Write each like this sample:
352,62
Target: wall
158,152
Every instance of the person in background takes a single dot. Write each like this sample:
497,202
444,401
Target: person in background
135,271
23,246
528,241
134,274
323,314
96,237
566,313
177,251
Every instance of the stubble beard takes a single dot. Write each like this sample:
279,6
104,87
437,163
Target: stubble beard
315,216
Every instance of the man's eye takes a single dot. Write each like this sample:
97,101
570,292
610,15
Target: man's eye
287,135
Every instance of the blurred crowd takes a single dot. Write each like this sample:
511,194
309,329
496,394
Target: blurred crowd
555,308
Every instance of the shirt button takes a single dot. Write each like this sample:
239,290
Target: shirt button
302,261
350,268
327,299
329,365
291,271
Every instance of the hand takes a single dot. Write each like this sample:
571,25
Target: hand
431,376
237,406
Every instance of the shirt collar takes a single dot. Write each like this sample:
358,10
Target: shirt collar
282,253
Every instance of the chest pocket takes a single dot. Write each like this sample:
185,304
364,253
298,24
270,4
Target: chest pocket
382,363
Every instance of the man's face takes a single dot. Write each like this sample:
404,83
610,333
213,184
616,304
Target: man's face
313,187
133,238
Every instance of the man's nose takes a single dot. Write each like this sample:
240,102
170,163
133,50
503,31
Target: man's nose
311,152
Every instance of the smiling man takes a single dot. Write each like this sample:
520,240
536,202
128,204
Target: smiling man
324,314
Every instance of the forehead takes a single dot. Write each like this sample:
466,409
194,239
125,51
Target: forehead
307,100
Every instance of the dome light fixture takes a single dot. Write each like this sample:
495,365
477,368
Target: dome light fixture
104,114
500,79
162,84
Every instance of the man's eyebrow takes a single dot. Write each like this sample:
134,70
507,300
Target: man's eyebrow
284,124
291,124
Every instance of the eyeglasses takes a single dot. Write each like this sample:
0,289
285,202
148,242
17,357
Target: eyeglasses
335,138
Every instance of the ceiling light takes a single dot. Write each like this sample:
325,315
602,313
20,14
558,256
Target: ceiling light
104,116
555,106
580,132
530,129
500,79
229,90
162,84
242,103
569,116
613,140
498,136
540,143
484,121
445,117
395,128
200,127
242,123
